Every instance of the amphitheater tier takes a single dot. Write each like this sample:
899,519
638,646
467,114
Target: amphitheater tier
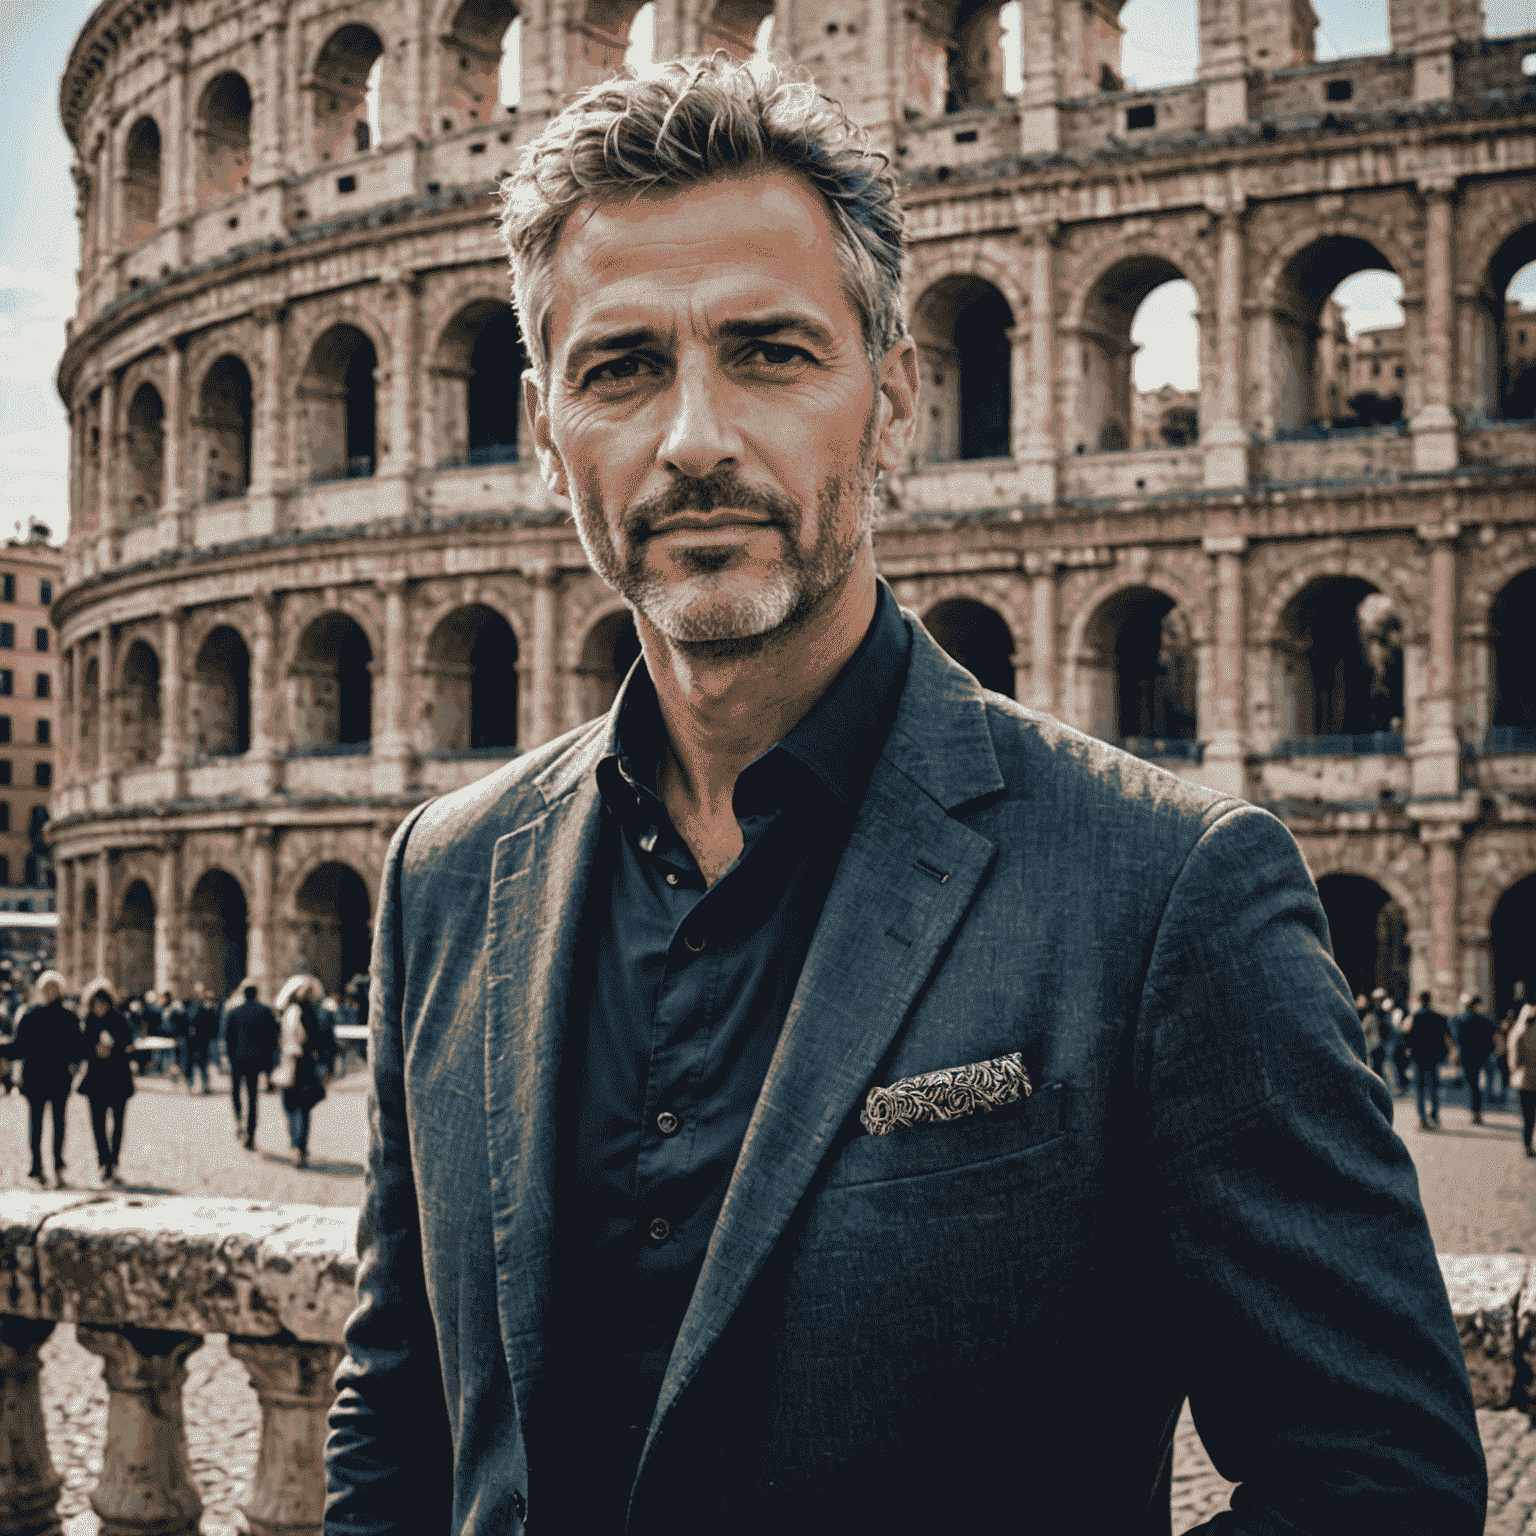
313,575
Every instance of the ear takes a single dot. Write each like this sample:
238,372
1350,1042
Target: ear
900,389
550,464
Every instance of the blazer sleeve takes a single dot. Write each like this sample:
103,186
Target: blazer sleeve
1319,1352
388,1456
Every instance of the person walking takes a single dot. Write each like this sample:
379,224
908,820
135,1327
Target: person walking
250,1039
1370,1027
202,1027
1426,1040
1522,1072
1474,1039
108,1082
308,1053
48,1043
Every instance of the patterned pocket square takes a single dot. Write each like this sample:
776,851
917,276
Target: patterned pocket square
950,1094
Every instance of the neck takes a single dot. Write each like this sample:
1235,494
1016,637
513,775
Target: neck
723,708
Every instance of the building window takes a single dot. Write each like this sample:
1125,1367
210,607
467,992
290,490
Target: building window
7,682
42,775
44,731
45,592
5,729
8,589
44,684
8,637
5,870
5,770
29,877
1141,117
5,819
40,640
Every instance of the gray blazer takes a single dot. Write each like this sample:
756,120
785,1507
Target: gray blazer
993,1317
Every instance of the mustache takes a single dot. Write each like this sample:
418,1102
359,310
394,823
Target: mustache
721,488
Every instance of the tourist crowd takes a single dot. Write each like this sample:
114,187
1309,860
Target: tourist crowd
49,1031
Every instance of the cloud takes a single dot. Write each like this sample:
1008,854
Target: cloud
34,302
34,477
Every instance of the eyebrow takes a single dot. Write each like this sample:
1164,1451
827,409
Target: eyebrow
753,329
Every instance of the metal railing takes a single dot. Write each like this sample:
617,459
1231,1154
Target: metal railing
1153,747
1369,744
1509,739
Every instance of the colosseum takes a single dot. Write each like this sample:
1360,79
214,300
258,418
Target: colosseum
313,577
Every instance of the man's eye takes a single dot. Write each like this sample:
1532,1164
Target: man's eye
619,368
776,354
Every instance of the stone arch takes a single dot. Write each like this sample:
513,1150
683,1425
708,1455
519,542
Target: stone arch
471,35
1342,856
219,693
215,932
470,682
338,82
1511,926
141,180
1185,257
961,325
596,40
1509,370
1005,591
1512,662
1332,562
302,609
1371,947
1494,568
223,428
1388,243
978,637
222,129
339,412
477,395
607,647
733,25
133,940
143,459
138,704
978,257
330,914
1493,862
330,686
1125,580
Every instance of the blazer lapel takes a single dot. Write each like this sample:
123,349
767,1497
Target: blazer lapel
539,880
906,878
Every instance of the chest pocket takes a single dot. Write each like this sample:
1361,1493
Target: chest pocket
943,1145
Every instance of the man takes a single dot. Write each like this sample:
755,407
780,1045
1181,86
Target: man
1474,1041
704,1189
202,1026
1427,1043
251,1040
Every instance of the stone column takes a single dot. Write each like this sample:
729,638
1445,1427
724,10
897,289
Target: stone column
176,140
267,164
146,1477
170,692
391,743
1018,389
69,926
1042,638
103,911
259,843
107,465
174,501
1224,441
168,916
1436,757
1435,447
1224,753
1444,839
402,296
106,736
293,1386
268,479
77,774
543,705
1037,458
29,1487
266,744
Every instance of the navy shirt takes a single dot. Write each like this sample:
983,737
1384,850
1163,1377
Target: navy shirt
687,991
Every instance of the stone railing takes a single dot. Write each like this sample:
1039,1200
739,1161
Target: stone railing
143,1279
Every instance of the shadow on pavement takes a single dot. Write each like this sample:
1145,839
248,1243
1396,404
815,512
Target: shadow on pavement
334,1170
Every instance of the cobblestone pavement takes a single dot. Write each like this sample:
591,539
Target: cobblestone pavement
1479,1192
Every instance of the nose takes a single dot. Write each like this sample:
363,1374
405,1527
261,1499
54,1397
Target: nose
700,436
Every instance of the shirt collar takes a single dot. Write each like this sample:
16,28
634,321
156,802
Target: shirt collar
838,740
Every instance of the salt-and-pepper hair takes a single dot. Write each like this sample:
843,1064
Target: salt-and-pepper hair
47,979
696,120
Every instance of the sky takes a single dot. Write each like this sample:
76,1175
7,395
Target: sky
38,241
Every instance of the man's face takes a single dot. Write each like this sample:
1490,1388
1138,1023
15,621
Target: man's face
710,411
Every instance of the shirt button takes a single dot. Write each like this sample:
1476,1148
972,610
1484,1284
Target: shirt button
671,877
667,1123
660,1229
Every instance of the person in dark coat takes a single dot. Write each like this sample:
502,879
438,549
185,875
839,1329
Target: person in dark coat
250,1038
202,1030
1474,1039
1426,1040
308,1053
48,1043
108,1081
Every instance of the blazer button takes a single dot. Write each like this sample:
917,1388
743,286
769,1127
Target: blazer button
667,1123
660,1229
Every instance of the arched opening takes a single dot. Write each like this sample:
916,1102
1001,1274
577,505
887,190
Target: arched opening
224,429
1512,683
139,705
1165,333
1512,937
612,647
219,700
1504,348
477,382
512,65
472,62
144,451
1106,346
90,916
604,40
978,638
1369,932
88,725
332,925
141,181
224,131
1340,668
331,687
736,26
961,326
338,394
1140,672
1339,360
134,967
216,933
472,691
339,92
